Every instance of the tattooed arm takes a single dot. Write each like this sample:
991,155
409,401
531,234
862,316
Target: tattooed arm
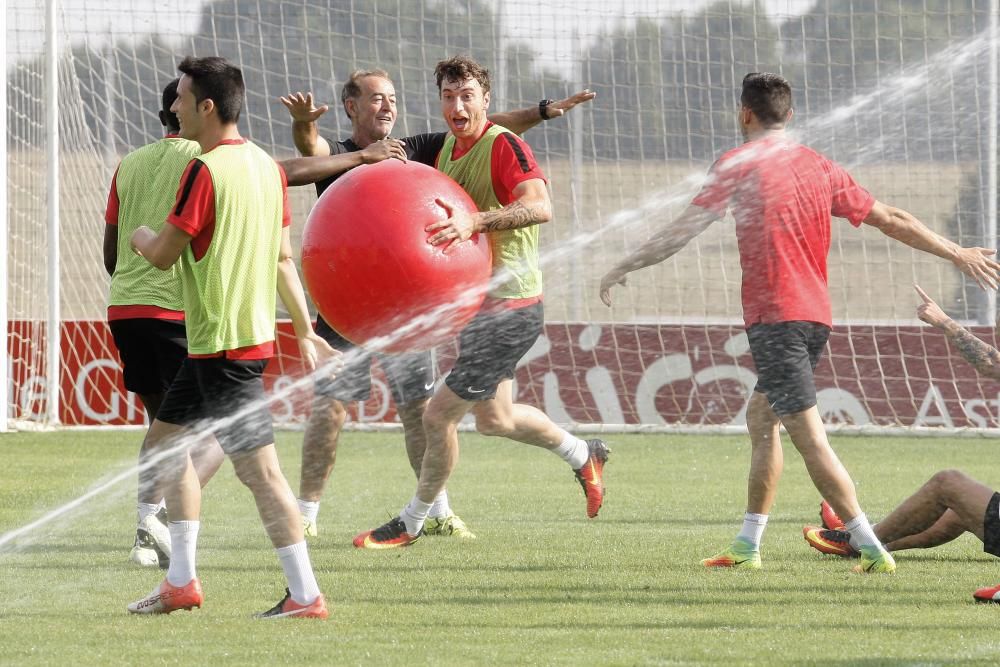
531,206
984,357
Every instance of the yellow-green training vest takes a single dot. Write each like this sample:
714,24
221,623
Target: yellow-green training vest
515,251
229,294
147,183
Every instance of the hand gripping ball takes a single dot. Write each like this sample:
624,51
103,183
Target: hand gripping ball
369,268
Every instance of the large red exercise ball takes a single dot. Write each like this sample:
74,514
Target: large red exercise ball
368,265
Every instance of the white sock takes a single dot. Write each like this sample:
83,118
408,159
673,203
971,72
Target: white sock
753,528
414,515
440,508
184,544
573,451
143,510
299,573
862,533
309,509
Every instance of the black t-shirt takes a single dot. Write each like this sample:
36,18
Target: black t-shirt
422,148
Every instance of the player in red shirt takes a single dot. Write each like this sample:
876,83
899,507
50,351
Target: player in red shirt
782,195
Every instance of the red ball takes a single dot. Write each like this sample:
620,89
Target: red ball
368,265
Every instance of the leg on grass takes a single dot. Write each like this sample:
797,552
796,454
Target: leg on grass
947,505
441,419
319,446
828,474
502,417
412,417
258,469
766,457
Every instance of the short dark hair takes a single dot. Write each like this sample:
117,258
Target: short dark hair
768,96
352,87
460,68
167,117
217,79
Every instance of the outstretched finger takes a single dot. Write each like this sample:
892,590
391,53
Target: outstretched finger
443,204
923,294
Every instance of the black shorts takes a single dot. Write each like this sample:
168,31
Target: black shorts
152,352
410,376
786,354
991,526
489,348
208,390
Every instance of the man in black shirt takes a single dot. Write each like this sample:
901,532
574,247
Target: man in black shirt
369,100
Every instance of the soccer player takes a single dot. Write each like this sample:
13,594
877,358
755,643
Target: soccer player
229,231
146,310
782,195
369,100
950,503
498,171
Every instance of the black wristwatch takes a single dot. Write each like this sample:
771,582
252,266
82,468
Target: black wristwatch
543,108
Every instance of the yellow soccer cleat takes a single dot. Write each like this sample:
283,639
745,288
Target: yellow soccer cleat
448,526
740,554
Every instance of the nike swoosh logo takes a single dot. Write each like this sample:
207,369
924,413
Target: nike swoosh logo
475,391
428,387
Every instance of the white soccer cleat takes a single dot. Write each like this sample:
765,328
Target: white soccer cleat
152,542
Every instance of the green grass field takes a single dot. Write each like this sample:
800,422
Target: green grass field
541,585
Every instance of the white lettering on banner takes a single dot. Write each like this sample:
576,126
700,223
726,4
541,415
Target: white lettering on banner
660,373
600,382
285,412
970,408
33,392
934,398
382,390
80,386
839,406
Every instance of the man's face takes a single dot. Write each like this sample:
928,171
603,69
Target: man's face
373,112
464,106
186,109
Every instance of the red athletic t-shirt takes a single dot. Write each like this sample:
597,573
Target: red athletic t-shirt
194,214
782,195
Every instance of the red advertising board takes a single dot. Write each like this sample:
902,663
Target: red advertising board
583,373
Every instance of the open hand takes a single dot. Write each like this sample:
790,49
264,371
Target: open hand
300,106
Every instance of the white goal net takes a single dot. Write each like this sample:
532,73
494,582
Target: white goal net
902,92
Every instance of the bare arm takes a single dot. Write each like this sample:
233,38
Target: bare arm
313,349
161,250
520,120
982,356
306,170
531,206
905,228
110,248
304,116
663,245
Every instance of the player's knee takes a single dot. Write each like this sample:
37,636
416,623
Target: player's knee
330,411
948,481
412,413
494,425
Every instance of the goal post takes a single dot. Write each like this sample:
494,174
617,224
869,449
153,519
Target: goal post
902,92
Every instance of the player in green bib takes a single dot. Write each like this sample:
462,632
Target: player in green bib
146,310
498,170
229,233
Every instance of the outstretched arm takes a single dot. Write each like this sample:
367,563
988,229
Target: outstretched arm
306,170
304,116
313,349
519,120
984,357
977,263
663,245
